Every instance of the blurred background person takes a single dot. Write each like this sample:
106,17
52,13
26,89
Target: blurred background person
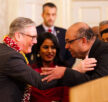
49,16
95,30
103,29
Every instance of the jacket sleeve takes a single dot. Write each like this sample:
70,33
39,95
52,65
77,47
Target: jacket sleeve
17,69
72,77
102,65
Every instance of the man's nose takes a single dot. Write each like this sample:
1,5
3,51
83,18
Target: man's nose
51,17
66,46
34,41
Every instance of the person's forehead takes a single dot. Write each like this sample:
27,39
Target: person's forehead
31,30
105,35
47,41
47,8
71,33
28,28
103,27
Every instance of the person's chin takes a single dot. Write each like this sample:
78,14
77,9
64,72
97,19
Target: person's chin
49,60
50,24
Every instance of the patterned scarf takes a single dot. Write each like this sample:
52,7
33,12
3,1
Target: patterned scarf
11,43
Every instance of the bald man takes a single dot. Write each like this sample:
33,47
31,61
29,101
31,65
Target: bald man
81,42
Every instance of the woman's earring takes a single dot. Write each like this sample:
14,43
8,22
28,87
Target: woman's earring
38,55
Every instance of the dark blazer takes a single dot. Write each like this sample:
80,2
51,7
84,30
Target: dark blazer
65,54
15,74
99,51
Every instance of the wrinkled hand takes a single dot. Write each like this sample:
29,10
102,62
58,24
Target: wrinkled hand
53,73
85,65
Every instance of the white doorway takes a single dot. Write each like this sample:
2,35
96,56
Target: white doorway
91,12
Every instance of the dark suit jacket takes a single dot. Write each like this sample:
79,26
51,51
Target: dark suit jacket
65,54
15,74
99,51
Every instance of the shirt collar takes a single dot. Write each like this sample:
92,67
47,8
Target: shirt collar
46,28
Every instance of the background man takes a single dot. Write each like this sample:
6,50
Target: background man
49,16
95,30
81,42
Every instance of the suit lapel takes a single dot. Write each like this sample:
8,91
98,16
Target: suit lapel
57,30
42,28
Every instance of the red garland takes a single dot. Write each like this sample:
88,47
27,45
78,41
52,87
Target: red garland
11,43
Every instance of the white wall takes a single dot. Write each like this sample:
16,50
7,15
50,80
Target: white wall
66,15
10,9
91,12
3,18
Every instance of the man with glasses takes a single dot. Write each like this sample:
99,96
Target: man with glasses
82,43
15,74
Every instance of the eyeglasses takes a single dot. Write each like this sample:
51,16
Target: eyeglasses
33,37
70,41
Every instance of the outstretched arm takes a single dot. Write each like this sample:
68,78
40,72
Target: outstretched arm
58,72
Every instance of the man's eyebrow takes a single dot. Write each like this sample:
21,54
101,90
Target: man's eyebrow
66,39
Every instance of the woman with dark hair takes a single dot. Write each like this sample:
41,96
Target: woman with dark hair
47,54
37,56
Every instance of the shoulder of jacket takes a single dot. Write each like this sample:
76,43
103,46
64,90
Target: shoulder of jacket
60,28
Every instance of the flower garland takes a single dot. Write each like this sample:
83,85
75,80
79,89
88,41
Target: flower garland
11,43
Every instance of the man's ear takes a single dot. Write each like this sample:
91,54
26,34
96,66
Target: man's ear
85,43
18,36
42,15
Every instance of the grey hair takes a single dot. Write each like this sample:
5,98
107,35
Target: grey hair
103,22
19,24
85,32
